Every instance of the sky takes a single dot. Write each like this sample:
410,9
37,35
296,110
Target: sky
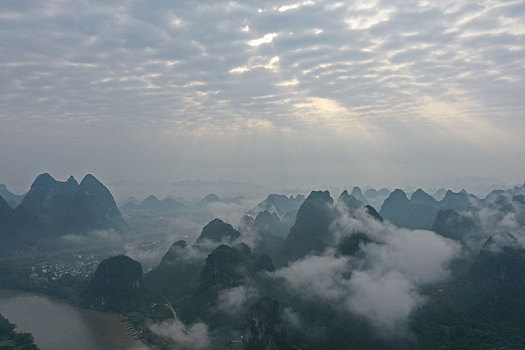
379,92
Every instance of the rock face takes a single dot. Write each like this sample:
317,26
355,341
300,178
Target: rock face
451,224
116,282
70,207
177,275
263,326
218,231
221,269
310,233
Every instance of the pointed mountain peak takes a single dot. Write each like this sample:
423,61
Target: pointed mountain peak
322,196
151,198
210,198
99,194
344,194
421,196
398,194
90,180
218,231
419,193
71,180
357,191
150,203
43,180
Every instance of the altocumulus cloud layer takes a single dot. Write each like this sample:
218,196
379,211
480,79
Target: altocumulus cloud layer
247,88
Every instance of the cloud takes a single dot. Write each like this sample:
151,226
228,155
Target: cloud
383,284
291,318
267,38
148,256
195,336
318,276
420,255
128,80
96,237
235,300
231,212
387,300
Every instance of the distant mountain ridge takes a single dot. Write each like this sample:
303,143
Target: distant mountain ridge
153,205
370,196
279,204
421,210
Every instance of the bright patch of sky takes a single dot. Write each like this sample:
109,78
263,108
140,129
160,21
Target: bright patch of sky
268,38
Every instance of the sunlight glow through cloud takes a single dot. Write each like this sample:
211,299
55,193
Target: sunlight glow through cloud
268,38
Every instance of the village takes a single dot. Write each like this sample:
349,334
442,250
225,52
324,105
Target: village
76,265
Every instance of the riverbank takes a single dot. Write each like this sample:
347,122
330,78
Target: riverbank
56,324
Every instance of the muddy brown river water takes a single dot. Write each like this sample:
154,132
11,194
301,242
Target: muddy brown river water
57,325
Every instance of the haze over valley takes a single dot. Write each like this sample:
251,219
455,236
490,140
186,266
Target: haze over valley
262,175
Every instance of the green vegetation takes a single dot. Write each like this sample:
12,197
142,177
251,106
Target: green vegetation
12,340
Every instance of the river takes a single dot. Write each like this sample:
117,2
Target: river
57,325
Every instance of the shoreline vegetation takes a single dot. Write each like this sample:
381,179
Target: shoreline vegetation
10,339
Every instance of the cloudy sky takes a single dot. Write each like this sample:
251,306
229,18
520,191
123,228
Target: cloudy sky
311,92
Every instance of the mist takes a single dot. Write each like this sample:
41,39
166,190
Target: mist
384,283
179,164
